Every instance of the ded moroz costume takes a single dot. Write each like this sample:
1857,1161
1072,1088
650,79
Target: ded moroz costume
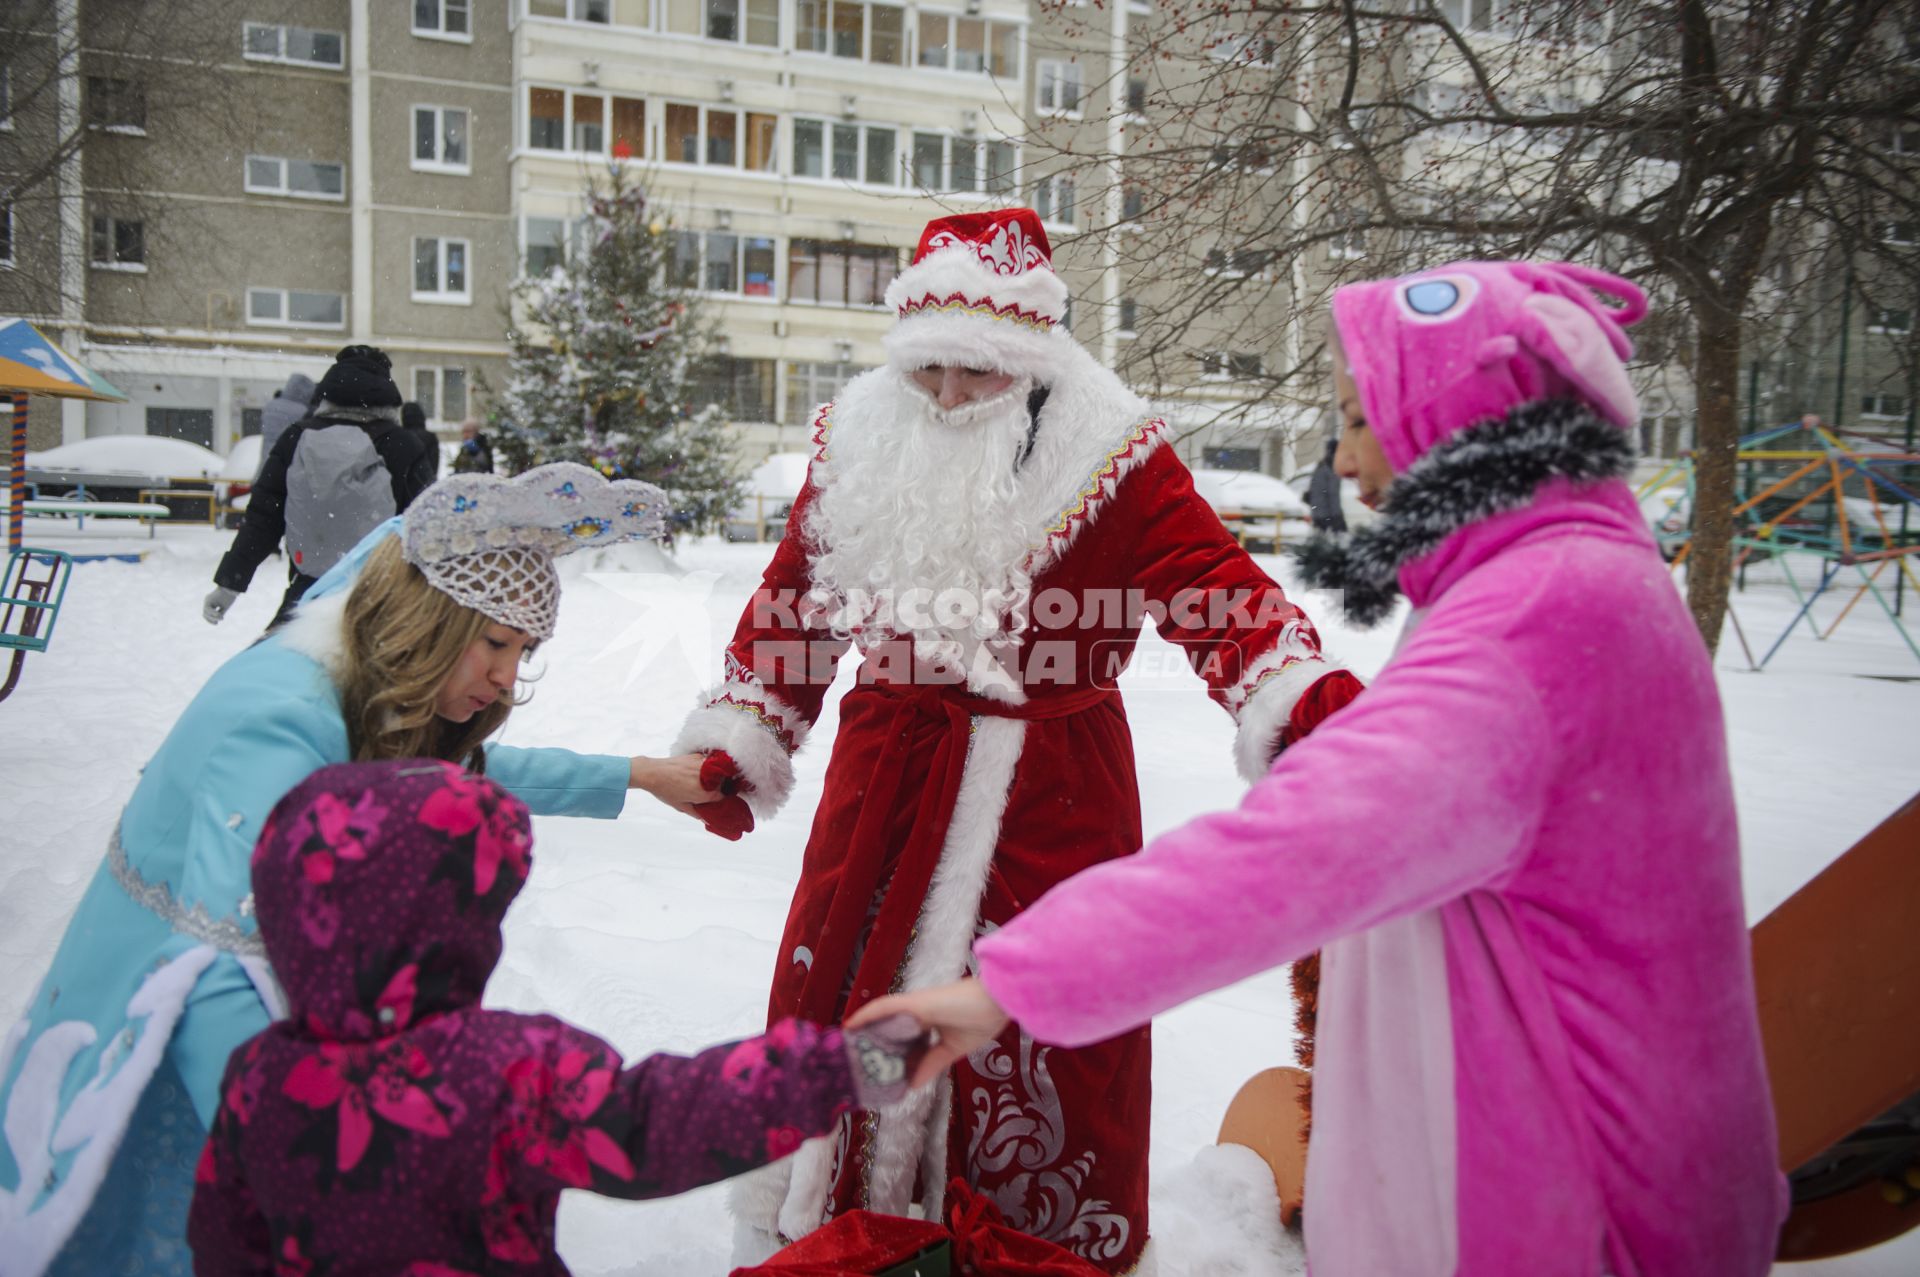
993,563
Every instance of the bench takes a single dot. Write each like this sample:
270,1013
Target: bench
81,511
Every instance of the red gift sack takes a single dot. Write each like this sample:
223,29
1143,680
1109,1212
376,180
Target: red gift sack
857,1244
861,1244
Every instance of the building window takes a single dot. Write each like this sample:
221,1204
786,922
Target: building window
968,44
441,393
846,152
6,234
579,123
296,46
1899,233
1053,198
596,11
195,425
440,139
743,388
719,262
1057,87
1230,458
1247,50
760,25
295,308
302,179
443,19
810,385
1884,407
440,270
942,162
721,138
1223,365
118,106
846,29
6,98
840,274
1136,96
1133,203
119,244
1129,316
1896,322
545,247
1906,142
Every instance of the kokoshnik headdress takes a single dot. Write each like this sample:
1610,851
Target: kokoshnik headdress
490,542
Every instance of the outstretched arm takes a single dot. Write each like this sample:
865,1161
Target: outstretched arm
669,1123
1427,787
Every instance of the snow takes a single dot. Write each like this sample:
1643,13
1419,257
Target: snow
657,936
244,461
1249,492
152,456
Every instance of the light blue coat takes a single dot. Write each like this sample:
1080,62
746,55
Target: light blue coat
162,962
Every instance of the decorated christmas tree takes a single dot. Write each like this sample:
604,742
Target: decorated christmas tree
603,355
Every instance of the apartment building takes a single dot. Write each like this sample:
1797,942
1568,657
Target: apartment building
383,171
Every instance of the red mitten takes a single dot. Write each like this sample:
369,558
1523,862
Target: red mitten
720,772
1322,699
727,816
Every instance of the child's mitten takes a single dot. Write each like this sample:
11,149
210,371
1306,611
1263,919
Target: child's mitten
883,1055
727,816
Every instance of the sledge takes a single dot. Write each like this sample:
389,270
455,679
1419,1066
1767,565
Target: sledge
1837,976
31,592
1837,972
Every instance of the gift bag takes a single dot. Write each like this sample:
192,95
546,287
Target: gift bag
976,1242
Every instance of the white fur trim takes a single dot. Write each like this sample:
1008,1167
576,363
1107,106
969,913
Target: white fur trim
730,721
1265,712
974,340
94,1123
754,1202
958,271
318,630
805,1206
943,940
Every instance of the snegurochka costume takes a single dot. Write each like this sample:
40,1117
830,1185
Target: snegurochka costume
956,795
113,1076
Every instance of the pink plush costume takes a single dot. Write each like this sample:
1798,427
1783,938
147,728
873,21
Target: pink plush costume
1537,1046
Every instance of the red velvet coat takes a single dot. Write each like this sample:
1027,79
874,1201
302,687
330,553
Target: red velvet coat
946,812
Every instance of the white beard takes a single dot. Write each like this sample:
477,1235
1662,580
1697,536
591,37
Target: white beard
919,528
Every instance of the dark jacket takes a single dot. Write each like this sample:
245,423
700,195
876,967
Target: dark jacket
1323,494
388,1124
406,458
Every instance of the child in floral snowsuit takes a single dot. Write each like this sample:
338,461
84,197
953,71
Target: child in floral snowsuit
389,1125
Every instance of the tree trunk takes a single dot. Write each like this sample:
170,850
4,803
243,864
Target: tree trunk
1715,454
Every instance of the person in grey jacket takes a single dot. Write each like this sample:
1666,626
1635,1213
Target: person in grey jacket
288,405
1323,493
323,496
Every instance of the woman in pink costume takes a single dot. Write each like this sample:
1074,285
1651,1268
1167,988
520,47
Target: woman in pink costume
1537,1048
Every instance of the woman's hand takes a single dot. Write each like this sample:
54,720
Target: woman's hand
963,1018
674,781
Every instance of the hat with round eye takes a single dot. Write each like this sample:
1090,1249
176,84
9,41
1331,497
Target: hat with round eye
490,542
1440,350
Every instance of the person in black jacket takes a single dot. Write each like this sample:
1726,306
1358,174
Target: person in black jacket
1323,493
414,418
321,490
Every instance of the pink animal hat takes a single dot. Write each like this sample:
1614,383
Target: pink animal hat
1437,351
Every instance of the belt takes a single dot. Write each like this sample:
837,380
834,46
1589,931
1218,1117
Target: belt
867,859
195,923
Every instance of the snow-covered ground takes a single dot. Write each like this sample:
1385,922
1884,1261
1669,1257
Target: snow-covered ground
659,937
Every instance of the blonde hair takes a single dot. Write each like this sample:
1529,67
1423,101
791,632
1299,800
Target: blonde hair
403,639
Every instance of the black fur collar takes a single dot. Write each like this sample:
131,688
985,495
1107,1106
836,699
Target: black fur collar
1484,470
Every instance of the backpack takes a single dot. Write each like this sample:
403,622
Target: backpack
338,490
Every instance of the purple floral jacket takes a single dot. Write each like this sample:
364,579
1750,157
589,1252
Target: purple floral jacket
390,1125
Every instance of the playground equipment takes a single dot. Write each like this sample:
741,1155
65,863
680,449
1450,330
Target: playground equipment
1794,503
35,582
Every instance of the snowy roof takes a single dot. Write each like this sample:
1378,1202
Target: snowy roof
1248,492
148,456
